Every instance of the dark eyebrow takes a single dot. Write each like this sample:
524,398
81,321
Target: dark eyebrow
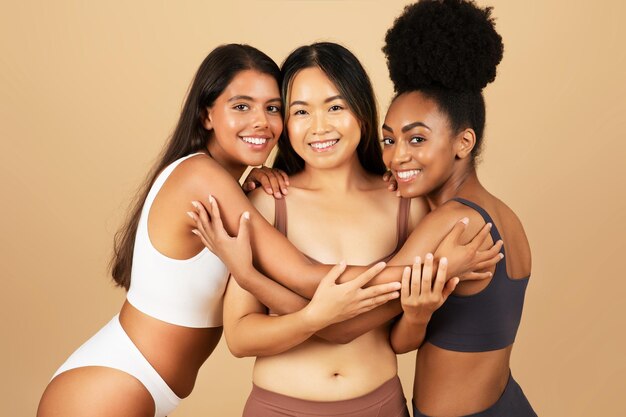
412,125
274,99
328,100
240,97
385,127
337,97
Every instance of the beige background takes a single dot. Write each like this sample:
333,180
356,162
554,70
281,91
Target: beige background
89,91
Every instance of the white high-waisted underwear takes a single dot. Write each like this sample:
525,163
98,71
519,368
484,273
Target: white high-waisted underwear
111,347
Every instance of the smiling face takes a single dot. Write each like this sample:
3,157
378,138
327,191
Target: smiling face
245,120
322,129
419,147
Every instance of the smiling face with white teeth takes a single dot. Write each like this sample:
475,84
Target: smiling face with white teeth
245,121
418,145
322,129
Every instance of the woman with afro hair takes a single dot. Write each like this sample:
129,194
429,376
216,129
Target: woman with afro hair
441,54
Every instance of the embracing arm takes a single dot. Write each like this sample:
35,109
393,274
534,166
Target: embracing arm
251,332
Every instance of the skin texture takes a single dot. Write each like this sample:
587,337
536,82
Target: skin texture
418,137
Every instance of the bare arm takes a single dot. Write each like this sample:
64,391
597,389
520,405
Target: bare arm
251,332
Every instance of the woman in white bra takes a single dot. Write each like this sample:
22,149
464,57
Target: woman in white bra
147,358
337,203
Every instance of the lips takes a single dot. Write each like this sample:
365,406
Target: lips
407,175
322,146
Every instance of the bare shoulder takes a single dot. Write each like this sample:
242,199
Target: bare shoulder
200,174
264,203
448,214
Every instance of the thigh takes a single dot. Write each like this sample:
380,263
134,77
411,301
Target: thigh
95,391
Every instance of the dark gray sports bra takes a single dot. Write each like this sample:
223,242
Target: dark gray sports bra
280,223
484,321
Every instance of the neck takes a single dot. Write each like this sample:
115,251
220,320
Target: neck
459,180
234,168
337,180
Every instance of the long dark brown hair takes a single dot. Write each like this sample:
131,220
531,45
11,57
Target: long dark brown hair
346,72
215,73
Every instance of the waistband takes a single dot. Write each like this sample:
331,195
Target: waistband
350,405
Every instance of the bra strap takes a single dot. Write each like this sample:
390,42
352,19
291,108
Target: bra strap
495,234
280,215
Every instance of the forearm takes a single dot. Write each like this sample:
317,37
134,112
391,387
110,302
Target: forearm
407,335
347,331
258,334
271,294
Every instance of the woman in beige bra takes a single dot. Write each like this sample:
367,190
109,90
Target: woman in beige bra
335,163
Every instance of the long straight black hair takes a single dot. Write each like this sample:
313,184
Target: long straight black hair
348,75
215,73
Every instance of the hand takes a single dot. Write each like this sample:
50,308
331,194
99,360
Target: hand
420,297
468,262
273,180
393,183
334,302
234,251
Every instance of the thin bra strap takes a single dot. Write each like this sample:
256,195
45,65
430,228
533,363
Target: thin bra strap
403,221
495,234
280,215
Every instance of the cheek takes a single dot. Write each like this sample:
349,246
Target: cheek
276,125
387,155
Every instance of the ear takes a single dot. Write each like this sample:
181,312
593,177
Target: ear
465,142
207,120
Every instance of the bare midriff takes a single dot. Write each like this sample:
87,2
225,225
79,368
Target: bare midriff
175,352
459,383
318,370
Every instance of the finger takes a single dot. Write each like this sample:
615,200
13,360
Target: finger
416,277
427,274
202,239
283,179
480,237
489,263
405,290
457,230
379,289
204,222
442,273
264,180
216,218
476,276
394,184
449,288
366,276
249,185
244,227
387,176
491,252
371,303
276,189
335,272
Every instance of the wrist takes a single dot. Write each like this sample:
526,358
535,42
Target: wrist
311,321
417,320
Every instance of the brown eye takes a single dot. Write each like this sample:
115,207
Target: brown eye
387,141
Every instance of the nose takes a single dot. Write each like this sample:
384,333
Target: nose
260,120
400,153
319,125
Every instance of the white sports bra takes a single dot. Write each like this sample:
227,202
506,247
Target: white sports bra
186,292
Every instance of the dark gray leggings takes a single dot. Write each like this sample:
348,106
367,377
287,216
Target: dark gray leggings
512,403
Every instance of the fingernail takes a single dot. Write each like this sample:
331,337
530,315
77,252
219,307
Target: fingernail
195,231
443,261
211,199
246,215
501,255
418,260
190,214
195,204
429,256
285,191
278,195
489,225
342,263
465,221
